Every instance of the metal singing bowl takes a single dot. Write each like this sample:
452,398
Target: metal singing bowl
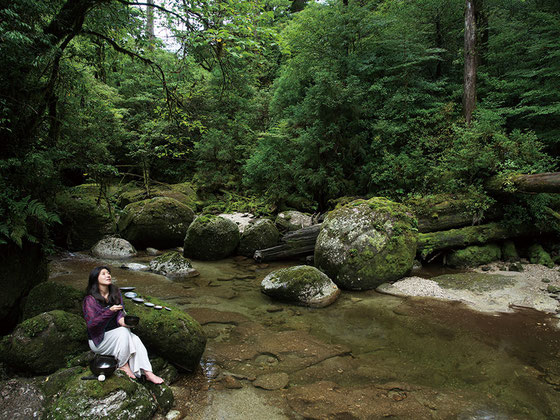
103,364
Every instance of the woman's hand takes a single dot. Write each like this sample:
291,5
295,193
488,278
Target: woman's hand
116,308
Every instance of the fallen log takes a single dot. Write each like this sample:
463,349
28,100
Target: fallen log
295,244
548,182
472,235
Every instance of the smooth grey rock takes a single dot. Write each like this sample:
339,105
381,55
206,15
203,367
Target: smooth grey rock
113,248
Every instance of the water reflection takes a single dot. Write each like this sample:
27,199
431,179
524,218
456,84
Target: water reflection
504,365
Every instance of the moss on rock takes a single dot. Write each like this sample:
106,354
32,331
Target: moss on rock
49,296
159,222
473,256
259,235
173,264
302,285
538,255
366,243
117,398
84,220
211,237
509,251
174,335
44,343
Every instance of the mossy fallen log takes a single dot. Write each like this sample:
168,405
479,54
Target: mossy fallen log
548,182
472,235
295,244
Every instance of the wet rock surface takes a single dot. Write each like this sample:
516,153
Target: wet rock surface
302,285
113,248
173,264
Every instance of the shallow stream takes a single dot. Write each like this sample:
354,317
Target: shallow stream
366,356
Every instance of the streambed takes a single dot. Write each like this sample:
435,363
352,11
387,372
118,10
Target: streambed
368,355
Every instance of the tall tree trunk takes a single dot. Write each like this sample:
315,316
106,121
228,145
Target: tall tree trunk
150,20
469,91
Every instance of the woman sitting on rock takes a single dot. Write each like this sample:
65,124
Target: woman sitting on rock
108,334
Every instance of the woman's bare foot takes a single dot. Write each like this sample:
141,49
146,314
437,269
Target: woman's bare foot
153,378
126,369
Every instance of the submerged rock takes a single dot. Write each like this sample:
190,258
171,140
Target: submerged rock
211,238
272,381
366,243
173,264
259,235
44,343
473,256
113,248
174,335
49,296
159,222
293,220
303,285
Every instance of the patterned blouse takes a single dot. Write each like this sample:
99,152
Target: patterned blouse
98,317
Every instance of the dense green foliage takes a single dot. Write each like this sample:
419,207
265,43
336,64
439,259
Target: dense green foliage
291,104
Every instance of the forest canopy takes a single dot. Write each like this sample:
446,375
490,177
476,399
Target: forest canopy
297,103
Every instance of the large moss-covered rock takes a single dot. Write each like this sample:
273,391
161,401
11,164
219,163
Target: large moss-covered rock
49,296
474,255
160,222
509,251
211,237
117,397
20,270
302,285
84,220
538,255
366,243
113,248
259,235
293,220
44,343
173,264
174,335
183,192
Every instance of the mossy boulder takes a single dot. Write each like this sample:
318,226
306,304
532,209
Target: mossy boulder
292,220
49,296
174,335
183,192
84,220
211,237
44,343
173,264
117,397
160,222
302,285
21,269
538,255
509,251
366,243
259,235
113,248
473,256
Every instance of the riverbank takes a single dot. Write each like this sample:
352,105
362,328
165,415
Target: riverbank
489,288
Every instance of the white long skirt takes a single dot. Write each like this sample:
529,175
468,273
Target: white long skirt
125,347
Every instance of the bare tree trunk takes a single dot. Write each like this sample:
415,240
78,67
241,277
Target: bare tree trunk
469,92
150,20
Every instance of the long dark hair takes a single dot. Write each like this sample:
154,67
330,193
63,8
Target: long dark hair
93,288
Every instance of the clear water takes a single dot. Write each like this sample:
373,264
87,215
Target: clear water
467,364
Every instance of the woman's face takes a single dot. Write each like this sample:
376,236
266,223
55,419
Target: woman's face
104,278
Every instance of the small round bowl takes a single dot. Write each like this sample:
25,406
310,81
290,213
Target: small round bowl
131,320
103,365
